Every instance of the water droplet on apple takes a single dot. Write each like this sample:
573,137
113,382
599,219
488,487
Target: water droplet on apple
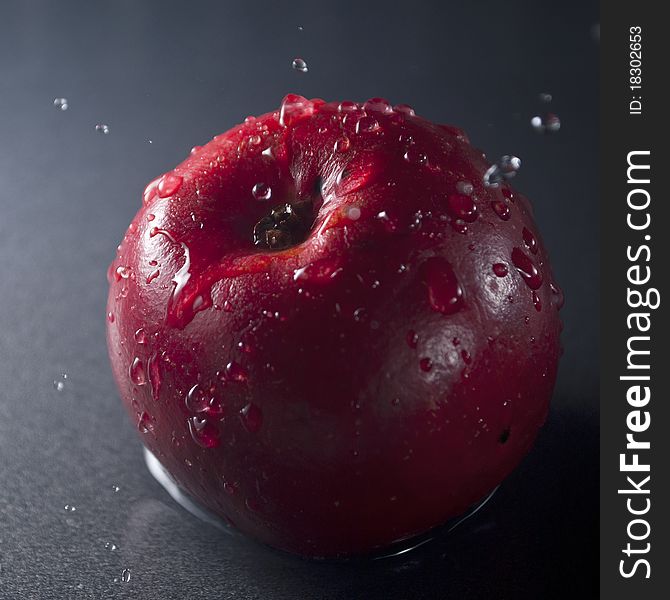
412,338
556,291
415,156
140,336
529,240
500,269
110,317
136,371
444,290
360,314
150,191
367,124
61,103
404,109
342,145
353,213
169,184
537,302
294,108
465,187
506,168
145,423
204,433
501,209
347,106
320,271
462,207
236,372
390,223
122,272
380,105
261,191
196,399
252,417
425,364
151,276
527,269
299,65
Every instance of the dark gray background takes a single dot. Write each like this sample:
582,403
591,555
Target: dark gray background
176,74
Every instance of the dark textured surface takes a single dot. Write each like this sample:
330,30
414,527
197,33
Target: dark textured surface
176,74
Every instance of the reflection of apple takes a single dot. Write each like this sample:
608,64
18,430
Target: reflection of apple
329,331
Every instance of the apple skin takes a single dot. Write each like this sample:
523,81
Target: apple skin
365,384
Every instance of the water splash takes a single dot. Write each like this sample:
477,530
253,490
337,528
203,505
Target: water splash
505,168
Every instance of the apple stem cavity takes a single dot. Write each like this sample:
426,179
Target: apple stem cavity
287,225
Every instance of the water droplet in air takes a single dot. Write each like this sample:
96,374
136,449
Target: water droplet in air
136,372
102,128
505,168
252,417
70,508
549,123
444,291
299,65
461,206
115,488
500,269
261,191
110,546
59,384
204,433
125,575
527,269
61,103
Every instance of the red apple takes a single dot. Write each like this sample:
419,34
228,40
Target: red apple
329,331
